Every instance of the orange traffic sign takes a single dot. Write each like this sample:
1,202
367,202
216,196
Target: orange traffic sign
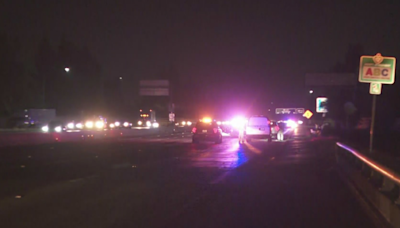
308,114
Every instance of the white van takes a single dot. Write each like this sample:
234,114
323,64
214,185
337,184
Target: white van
257,127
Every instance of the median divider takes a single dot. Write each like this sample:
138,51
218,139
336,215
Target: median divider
35,138
25,139
379,184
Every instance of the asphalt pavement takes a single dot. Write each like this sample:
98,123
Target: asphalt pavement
163,180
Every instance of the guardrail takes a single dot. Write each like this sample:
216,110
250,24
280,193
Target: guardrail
378,183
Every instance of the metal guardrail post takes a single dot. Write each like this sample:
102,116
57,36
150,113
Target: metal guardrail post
337,153
387,185
365,169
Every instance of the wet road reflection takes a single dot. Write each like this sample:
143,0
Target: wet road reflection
229,155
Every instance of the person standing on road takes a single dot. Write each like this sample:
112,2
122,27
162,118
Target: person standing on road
242,133
280,135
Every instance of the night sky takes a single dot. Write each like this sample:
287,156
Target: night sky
249,45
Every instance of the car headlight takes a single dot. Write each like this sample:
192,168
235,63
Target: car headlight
45,128
189,123
70,125
183,123
156,125
291,123
148,123
99,124
89,124
238,122
140,123
58,129
79,125
112,125
126,124
117,124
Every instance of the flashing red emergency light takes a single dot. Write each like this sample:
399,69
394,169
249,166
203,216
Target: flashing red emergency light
206,120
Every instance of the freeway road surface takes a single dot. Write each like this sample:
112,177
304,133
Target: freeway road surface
165,181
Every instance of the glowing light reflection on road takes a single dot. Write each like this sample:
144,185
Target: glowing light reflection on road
236,155
252,148
242,157
229,155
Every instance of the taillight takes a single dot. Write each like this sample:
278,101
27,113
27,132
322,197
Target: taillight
194,130
215,130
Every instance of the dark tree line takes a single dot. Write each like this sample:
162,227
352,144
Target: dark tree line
17,85
42,80
339,96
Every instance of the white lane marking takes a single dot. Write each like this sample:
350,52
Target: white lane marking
83,178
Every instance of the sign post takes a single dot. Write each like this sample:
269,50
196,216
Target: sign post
371,130
376,70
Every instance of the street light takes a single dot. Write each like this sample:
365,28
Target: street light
66,69
120,78
311,91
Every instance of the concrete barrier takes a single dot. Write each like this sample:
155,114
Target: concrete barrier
24,138
34,138
377,183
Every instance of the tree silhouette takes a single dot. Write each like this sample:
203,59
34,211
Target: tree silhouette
17,87
339,96
351,60
79,89
45,62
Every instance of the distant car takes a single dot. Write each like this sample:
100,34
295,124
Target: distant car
207,131
54,126
257,127
184,123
